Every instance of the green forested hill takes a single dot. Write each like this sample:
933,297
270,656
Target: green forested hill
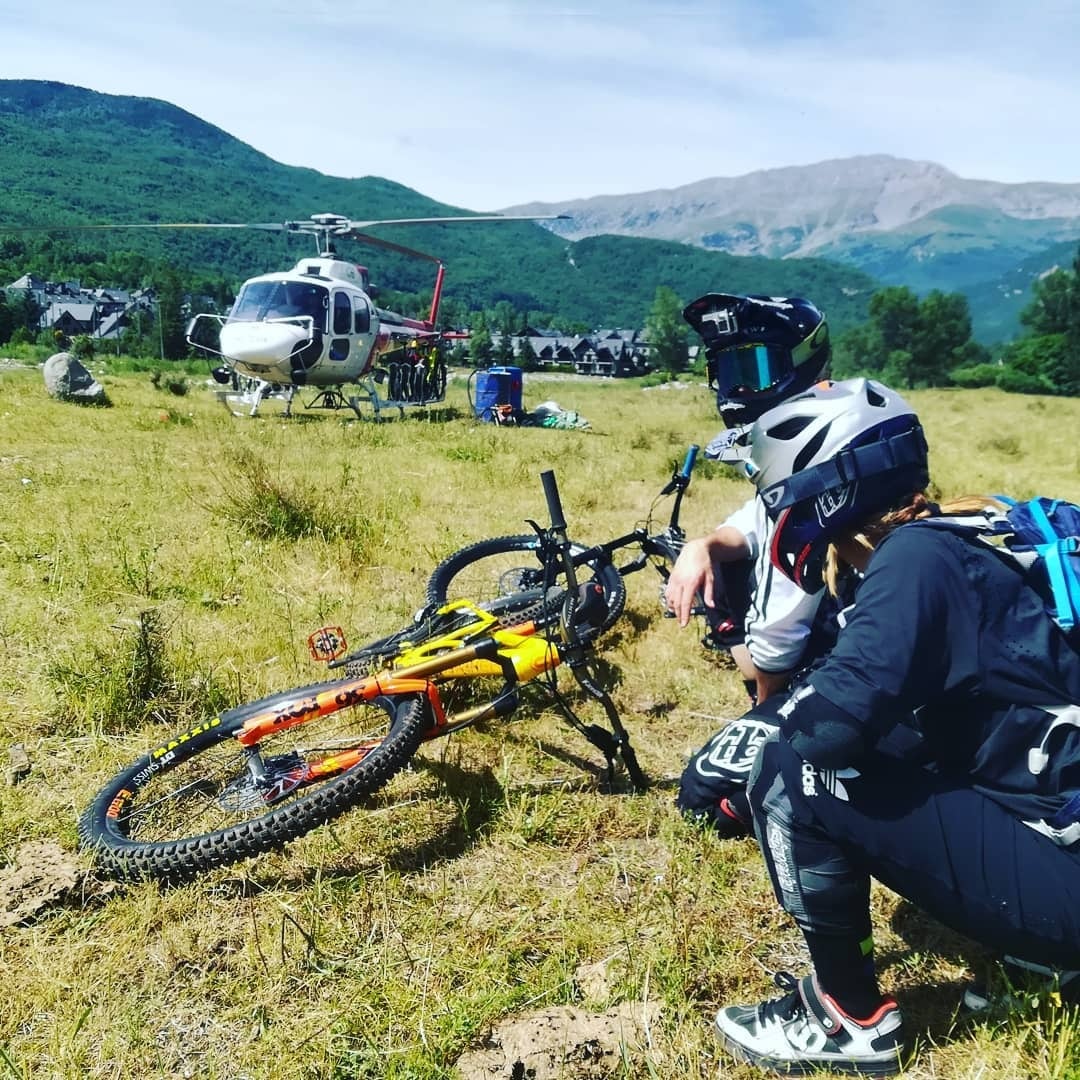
72,156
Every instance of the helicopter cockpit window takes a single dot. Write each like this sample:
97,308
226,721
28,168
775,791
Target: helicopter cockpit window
361,315
259,300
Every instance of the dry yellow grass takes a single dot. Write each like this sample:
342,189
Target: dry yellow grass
390,944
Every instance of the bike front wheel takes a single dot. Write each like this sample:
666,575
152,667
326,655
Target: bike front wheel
506,567
201,799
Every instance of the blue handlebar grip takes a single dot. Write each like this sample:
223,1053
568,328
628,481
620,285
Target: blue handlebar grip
688,461
554,503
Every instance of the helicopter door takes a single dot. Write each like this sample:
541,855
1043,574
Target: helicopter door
311,300
343,324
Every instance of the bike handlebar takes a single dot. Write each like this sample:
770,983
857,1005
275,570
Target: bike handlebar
680,478
688,461
554,502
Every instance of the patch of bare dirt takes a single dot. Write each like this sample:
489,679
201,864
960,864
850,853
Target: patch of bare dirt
563,1043
42,876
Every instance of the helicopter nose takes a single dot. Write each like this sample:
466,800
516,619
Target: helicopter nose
262,344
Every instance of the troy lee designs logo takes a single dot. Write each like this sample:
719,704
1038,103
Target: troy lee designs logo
830,503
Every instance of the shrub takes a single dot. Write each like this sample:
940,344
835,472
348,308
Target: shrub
979,375
1020,382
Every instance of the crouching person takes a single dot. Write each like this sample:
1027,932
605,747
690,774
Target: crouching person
948,638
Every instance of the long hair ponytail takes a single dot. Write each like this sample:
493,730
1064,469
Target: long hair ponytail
916,508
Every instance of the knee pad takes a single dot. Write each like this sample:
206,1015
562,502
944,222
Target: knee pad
713,784
813,879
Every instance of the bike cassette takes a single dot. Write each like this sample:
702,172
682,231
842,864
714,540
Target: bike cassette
281,775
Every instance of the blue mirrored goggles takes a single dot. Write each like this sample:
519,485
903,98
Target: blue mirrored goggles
748,369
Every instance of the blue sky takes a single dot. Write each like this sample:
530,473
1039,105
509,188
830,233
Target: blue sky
484,105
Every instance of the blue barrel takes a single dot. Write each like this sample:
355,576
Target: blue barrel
513,386
497,386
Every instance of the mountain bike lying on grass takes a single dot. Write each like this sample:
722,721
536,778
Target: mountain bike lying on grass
261,774
500,567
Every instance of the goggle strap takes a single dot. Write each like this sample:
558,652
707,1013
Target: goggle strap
907,448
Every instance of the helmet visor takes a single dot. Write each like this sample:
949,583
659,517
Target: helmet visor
748,369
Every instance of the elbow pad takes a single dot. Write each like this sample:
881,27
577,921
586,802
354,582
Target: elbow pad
821,732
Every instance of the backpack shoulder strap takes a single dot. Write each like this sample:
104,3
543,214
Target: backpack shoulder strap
1060,569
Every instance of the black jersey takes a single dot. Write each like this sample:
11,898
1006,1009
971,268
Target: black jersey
946,636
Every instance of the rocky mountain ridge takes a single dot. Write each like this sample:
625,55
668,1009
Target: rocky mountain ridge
808,210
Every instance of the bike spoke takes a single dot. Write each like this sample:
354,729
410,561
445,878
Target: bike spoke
221,786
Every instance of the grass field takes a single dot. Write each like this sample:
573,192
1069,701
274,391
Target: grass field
162,558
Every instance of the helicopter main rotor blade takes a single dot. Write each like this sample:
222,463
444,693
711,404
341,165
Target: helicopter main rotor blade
268,226
354,230
378,241
325,224
441,220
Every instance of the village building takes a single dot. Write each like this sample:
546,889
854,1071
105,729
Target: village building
611,353
67,308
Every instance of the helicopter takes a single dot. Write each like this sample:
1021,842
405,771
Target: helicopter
316,325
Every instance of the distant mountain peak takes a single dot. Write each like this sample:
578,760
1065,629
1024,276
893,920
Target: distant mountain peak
800,210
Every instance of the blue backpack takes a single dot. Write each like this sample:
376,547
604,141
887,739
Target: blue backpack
1044,535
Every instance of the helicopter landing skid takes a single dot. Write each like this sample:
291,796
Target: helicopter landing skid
246,399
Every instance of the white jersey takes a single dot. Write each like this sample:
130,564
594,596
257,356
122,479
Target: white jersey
781,614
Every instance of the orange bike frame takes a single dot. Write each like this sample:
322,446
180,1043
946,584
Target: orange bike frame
516,653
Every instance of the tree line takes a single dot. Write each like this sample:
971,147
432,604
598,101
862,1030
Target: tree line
913,342
1045,359
906,341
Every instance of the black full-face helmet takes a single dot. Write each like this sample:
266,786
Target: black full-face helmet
828,460
761,350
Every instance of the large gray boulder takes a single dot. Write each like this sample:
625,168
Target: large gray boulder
68,380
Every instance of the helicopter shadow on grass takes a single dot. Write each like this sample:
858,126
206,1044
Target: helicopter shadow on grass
310,413
440,414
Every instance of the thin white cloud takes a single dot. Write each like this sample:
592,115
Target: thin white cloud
488,104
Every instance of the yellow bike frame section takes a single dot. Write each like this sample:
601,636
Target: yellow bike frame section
529,654
463,653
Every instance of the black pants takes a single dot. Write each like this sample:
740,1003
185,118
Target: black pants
733,587
950,850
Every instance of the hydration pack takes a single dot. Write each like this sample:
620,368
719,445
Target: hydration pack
1043,536
1047,531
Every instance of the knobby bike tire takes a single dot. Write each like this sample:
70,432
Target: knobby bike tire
190,804
505,566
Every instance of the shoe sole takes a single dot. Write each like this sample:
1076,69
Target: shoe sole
847,1066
